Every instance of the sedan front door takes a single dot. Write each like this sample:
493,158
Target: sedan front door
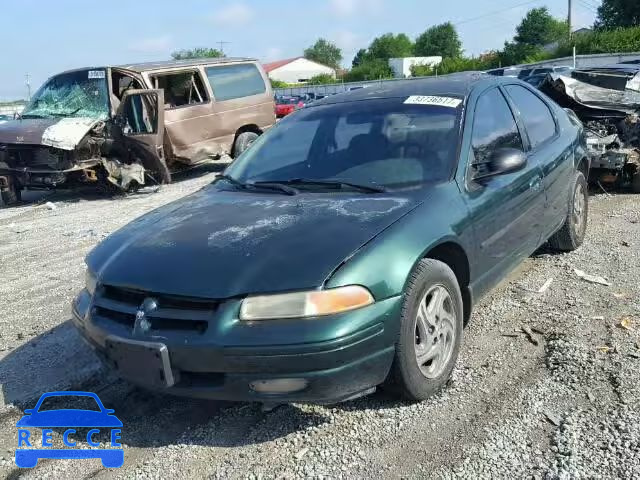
506,210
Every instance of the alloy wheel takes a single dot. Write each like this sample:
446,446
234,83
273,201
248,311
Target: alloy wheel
434,331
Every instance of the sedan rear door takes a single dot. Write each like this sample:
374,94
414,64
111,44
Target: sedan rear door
549,149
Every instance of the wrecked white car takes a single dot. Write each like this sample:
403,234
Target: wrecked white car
130,125
607,101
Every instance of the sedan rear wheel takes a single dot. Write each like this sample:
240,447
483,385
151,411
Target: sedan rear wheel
572,233
430,332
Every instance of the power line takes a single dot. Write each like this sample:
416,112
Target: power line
495,12
593,3
586,6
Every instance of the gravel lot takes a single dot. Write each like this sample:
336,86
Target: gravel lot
560,401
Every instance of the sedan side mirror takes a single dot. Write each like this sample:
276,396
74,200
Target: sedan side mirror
503,161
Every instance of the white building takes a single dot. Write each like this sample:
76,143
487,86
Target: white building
296,70
402,66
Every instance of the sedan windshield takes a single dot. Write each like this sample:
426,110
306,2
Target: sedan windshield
383,142
75,94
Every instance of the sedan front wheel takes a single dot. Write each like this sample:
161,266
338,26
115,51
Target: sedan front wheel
430,331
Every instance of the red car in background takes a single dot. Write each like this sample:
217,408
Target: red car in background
287,105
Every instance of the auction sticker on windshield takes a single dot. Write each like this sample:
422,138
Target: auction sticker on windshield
96,74
433,100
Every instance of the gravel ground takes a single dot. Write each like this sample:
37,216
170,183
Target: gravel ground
547,385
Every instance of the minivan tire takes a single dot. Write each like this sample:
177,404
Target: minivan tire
574,229
12,194
635,182
409,377
243,141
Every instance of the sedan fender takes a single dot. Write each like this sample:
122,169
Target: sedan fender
387,260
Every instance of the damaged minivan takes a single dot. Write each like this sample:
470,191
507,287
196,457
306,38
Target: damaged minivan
133,124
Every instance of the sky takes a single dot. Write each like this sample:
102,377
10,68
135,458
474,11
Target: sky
41,38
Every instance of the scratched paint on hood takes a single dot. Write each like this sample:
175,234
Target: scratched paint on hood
67,133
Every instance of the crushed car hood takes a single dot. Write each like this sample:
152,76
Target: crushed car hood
221,244
590,100
63,133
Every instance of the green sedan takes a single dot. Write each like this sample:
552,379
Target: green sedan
345,249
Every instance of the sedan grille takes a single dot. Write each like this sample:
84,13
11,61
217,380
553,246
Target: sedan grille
173,313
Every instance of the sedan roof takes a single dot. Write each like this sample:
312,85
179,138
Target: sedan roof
457,84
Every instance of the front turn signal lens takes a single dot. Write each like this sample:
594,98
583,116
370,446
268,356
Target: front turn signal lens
305,304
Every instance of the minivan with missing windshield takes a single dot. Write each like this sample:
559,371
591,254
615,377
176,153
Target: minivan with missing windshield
134,124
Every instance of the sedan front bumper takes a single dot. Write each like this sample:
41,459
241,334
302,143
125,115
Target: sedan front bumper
325,371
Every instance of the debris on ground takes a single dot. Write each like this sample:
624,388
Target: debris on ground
605,349
51,205
553,419
626,323
301,453
592,278
546,285
532,338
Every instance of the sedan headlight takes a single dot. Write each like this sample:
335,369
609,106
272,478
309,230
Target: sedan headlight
305,304
90,282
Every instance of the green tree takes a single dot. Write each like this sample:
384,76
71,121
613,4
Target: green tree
391,46
360,57
618,13
322,79
439,40
198,52
602,41
278,83
373,69
324,52
515,53
539,28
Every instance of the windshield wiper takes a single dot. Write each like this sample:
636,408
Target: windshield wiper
66,114
265,185
275,186
341,184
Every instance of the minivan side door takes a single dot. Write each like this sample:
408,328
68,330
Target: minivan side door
550,150
140,117
189,117
505,210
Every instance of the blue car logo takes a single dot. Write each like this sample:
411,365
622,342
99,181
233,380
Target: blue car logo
97,420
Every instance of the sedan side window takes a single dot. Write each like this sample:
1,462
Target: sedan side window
535,114
494,128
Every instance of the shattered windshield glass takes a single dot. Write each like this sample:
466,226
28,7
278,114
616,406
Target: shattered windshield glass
75,94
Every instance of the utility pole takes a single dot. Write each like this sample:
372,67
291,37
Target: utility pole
28,83
222,44
570,19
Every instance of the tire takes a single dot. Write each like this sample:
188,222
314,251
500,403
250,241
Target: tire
417,372
243,141
573,231
635,182
12,194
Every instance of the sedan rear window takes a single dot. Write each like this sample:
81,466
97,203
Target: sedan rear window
382,141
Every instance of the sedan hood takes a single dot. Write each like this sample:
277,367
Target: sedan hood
64,133
221,244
